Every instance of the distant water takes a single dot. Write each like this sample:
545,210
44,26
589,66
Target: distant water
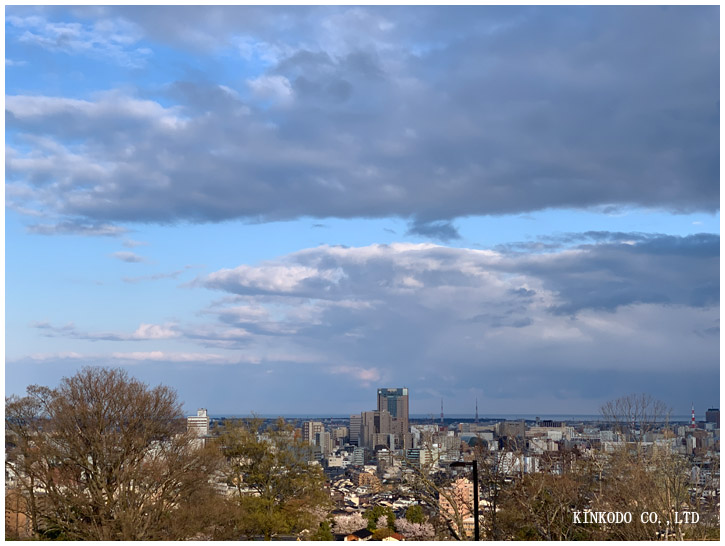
569,418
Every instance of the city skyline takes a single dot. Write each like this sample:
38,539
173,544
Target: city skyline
281,209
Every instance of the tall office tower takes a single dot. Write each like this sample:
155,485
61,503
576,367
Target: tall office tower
199,423
712,415
309,429
395,401
375,422
355,429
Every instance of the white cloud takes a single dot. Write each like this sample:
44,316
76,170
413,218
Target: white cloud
273,278
163,356
143,332
129,257
275,87
65,355
366,375
108,105
112,39
154,331
130,243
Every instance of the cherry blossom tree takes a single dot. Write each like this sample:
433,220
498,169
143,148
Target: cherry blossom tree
344,525
414,531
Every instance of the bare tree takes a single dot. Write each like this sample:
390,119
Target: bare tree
104,457
643,474
635,415
704,489
493,475
434,488
540,506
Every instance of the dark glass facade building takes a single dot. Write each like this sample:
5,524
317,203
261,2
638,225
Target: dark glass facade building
395,401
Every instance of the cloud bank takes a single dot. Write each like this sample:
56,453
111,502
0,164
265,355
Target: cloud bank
361,112
423,314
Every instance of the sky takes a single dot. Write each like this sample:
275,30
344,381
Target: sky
280,209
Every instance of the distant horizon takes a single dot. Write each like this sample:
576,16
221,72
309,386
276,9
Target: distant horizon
471,417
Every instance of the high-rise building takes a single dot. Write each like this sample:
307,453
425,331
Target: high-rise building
339,435
712,415
395,401
355,429
199,423
374,423
309,429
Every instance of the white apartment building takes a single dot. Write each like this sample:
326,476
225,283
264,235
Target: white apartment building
199,423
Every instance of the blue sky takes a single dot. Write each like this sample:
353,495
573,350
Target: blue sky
280,209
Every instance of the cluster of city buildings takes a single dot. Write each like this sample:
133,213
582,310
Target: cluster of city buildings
365,453
386,439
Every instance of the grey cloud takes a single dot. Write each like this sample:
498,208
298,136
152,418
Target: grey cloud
659,269
44,325
523,292
395,114
528,247
199,97
78,227
499,321
518,392
607,275
598,306
442,231
548,243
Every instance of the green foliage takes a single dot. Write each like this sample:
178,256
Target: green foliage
415,514
374,514
278,491
323,532
380,534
